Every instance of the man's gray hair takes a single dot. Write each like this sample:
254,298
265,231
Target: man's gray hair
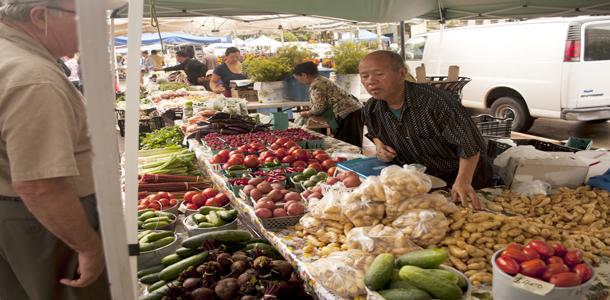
19,10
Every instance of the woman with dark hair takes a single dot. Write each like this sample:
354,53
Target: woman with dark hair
230,69
341,110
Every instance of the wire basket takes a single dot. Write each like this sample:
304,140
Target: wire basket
492,127
281,222
455,87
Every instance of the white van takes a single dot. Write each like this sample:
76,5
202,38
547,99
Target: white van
552,68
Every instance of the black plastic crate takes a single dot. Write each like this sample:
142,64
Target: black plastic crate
492,127
455,87
495,148
146,125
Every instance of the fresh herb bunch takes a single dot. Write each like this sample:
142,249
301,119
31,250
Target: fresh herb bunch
161,138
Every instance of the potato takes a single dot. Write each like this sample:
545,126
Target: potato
256,194
255,181
351,181
268,204
264,187
248,188
316,195
290,202
292,196
275,195
279,212
263,213
296,208
277,186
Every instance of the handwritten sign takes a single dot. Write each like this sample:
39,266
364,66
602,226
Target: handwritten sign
532,285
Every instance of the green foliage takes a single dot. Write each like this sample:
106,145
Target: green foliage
347,56
294,55
161,138
267,69
290,37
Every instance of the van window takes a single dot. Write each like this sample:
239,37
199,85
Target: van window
414,48
597,42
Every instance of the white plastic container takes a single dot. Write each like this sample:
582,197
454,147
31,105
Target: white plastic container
270,91
150,258
503,289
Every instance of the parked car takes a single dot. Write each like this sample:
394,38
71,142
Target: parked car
551,68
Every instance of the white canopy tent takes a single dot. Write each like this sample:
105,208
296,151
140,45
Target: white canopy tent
94,44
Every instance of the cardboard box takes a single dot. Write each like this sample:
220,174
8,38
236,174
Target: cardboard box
564,170
249,95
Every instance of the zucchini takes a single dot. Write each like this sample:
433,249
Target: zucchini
150,278
154,225
427,258
215,219
158,219
144,247
206,225
222,236
156,285
141,212
380,272
403,294
172,272
171,259
259,240
438,287
227,215
204,210
151,270
147,215
165,214
144,233
157,235
398,283
161,289
186,252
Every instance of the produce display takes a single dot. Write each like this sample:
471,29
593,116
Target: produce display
150,240
424,227
343,272
173,160
416,275
162,138
171,183
194,200
211,217
156,201
290,138
549,262
379,239
227,124
223,265
272,200
151,219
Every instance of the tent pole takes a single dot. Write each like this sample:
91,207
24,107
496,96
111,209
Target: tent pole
132,117
379,44
402,39
97,79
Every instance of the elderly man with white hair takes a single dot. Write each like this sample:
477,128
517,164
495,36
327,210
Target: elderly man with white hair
50,247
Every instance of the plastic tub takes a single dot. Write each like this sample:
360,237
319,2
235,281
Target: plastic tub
502,288
153,257
170,226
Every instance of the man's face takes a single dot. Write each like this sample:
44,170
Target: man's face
62,37
379,77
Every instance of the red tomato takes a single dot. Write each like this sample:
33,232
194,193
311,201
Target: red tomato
321,157
155,206
299,163
234,152
554,260
222,199
275,146
565,279
142,195
235,161
331,171
171,196
216,202
533,267
318,152
163,195
224,153
263,155
584,272
145,202
542,248
141,207
282,141
209,193
164,202
329,163
508,265
270,159
553,269
573,257
251,161
155,197
530,252
216,159
173,202
315,166
280,152
290,144
516,254
188,196
288,159
560,250
192,206
255,145
341,159
198,200
300,154
237,156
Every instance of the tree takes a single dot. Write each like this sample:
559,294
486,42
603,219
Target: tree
290,37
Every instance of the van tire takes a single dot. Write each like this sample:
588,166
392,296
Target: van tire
509,106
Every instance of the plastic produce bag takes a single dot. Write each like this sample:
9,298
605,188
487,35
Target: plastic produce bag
434,201
531,188
365,206
380,239
343,272
423,227
328,208
522,152
401,184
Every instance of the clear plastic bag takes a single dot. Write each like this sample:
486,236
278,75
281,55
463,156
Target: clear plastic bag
531,188
401,184
424,227
434,201
365,206
380,239
329,207
343,272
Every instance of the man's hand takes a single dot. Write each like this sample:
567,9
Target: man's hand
462,191
90,265
384,152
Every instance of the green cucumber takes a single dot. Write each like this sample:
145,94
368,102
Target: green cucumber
380,271
144,233
151,270
154,225
144,247
172,272
227,215
215,219
150,278
141,212
204,210
427,258
156,285
437,286
186,252
198,218
147,215
158,290
259,240
398,283
158,219
157,235
444,274
403,294
235,236
171,259
206,225
267,249
140,223
165,214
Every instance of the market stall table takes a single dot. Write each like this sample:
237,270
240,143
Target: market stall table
281,106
